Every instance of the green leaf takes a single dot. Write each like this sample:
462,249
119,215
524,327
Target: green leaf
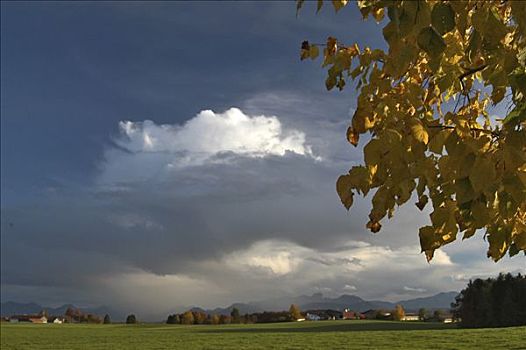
443,18
431,42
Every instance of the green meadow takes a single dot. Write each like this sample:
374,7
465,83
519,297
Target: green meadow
299,335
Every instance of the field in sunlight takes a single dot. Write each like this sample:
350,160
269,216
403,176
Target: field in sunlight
304,335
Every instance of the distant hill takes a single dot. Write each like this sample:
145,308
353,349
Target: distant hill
437,301
318,301
305,302
12,308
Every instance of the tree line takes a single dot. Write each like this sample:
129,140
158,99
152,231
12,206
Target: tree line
199,317
492,302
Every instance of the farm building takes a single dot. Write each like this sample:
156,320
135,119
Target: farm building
28,318
312,317
348,314
326,314
447,318
56,319
410,317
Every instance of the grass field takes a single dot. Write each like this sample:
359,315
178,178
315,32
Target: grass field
300,335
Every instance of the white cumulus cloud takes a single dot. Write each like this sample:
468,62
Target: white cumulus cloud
146,149
210,133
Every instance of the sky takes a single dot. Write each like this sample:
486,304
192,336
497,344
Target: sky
156,155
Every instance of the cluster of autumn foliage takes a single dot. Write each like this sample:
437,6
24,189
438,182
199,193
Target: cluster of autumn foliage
444,108
74,315
200,317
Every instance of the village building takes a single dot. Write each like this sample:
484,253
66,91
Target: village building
312,317
324,314
28,318
447,318
410,317
348,314
56,319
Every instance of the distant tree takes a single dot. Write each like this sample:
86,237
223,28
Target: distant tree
92,318
271,317
199,317
188,318
44,313
172,319
295,312
398,313
236,318
73,315
224,319
214,319
131,319
437,315
107,319
422,313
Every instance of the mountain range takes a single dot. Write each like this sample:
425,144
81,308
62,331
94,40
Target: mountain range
13,308
353,302
305,302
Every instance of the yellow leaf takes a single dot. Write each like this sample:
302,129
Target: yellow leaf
338,4
360,179
314,51
374,226
332,46
352,136
482,174
373,152
305,50
428,241
362,119
419,132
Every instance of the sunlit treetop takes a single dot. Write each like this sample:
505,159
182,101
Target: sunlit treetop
445,109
